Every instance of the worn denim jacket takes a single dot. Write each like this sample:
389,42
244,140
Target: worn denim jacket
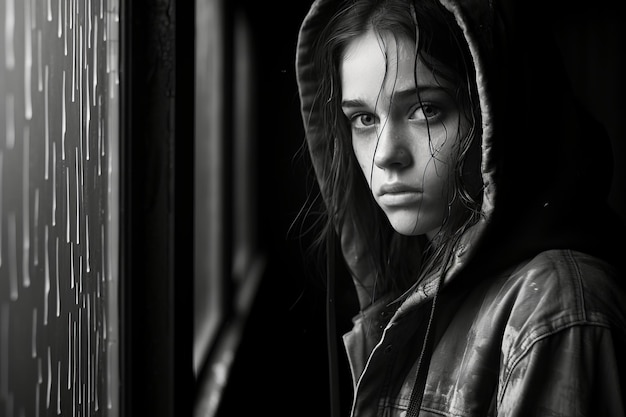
546,338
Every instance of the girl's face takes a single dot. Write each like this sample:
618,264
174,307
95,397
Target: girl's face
405,145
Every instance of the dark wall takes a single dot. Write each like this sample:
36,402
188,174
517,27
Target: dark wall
156,232
593,44
281,366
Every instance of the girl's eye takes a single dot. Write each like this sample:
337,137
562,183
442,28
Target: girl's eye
362,120
426,112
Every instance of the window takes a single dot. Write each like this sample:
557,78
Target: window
59,103
228,263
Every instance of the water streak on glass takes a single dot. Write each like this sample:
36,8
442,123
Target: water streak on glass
58,387
94,66
57,290
79,356
72,275
89,21
36,227
28,61
74,60
63,118
26,205
46,122
68,221
59,21
100,150
34,334
66,29
13,256
49,384
46,279
87,119
39,370
37,398
89,353
74,355
71,13
87,251
10,121
9,28
78,185
54,186
79,85
69,350
39,61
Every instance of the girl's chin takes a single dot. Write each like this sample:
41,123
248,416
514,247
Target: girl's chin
406,223
407,228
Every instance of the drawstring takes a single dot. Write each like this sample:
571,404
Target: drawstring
331,333
423,363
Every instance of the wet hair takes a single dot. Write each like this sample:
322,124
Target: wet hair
442,47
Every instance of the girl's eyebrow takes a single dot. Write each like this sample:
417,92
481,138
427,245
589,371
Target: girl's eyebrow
355,103
399,95
410,93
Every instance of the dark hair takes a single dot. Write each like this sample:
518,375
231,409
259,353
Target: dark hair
442,46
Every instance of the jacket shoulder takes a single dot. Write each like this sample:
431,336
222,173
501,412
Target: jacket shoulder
568,282
558,289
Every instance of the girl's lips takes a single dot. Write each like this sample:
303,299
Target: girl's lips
397,194
402,198
397,187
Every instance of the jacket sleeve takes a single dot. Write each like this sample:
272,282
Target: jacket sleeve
366,333
576,371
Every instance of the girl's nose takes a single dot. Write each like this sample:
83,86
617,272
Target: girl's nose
391,150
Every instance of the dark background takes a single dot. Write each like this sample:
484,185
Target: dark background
281,366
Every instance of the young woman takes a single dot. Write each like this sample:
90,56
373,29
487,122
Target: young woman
466,189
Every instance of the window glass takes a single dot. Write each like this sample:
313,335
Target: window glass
58,207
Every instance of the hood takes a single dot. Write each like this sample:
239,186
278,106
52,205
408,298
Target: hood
546,163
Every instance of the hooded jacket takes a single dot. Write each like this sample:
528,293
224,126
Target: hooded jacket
529,318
